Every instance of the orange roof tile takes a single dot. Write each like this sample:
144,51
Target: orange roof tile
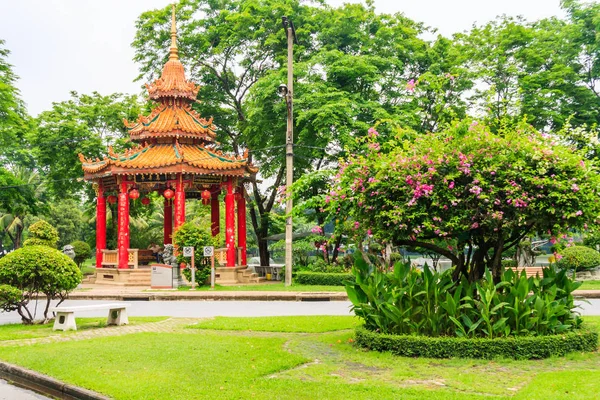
151,156
172,83
175,118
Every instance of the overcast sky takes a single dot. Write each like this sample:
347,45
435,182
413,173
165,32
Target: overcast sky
84,45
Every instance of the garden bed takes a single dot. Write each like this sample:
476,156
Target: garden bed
520,348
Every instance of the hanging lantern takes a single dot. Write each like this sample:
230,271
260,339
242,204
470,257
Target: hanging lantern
134,194
145,201
169,194
205,197
111,199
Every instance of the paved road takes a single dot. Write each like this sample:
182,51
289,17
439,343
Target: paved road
9,392
199,309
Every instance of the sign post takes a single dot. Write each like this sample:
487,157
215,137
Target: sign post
188,251
209,251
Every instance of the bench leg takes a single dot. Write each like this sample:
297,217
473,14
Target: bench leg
65,321
117,316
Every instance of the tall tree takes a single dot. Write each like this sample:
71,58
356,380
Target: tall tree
352,67
14,121
530,70
86,124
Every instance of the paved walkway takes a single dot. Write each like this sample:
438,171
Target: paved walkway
166,326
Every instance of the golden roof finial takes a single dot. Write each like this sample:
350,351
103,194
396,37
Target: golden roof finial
173,53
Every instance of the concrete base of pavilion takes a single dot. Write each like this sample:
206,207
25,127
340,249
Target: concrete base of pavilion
142,276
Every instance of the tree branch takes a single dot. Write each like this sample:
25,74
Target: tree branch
429,246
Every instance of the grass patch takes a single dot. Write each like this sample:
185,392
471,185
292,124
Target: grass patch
590,285
20,331
268,287
308,324
204,364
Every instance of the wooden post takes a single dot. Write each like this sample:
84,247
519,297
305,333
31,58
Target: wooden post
168,222
100,224
230,224
241,224
123,234
179,202
215,217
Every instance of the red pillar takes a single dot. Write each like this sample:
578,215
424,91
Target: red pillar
179,203
230,224
123,234
241,223
168,222
215,217
100,224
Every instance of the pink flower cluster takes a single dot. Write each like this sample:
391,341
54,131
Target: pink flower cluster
317,229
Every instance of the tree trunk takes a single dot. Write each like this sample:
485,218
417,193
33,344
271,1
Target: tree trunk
336,248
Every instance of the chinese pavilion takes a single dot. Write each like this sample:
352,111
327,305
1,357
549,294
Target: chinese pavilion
176,155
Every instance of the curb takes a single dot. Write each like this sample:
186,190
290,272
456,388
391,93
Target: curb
241,296
212,296
46,385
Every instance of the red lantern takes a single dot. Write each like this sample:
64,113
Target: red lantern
134,194
205,197
169,194
111,199
145,201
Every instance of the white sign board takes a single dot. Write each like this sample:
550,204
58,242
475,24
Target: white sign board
209,251
188,251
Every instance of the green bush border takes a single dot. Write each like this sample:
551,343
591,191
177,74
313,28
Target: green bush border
322,278
520,348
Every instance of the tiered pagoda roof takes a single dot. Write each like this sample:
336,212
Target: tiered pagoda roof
173,138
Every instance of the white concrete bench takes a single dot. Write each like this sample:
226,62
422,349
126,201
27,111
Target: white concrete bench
65,315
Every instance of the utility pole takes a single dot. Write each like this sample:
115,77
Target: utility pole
288,92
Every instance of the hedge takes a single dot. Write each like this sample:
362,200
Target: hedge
322,278
530,347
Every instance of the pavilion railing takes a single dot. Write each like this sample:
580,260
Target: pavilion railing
110,258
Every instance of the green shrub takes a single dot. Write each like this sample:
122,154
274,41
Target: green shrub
509,264
409,301
42,234
10,298
578,258
83,251
197,237
320,265
322,278
39,269
531,347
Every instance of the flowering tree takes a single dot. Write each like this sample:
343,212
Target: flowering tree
467,193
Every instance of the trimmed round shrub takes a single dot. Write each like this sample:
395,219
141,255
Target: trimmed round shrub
83,251
39,269
529,347
42,234
579,258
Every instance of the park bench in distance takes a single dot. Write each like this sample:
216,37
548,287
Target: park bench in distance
65,316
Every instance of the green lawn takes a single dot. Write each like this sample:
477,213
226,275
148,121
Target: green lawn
281,364
280,324
20,331
269,287
590,285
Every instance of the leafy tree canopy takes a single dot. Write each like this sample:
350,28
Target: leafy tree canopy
480,191
86,124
